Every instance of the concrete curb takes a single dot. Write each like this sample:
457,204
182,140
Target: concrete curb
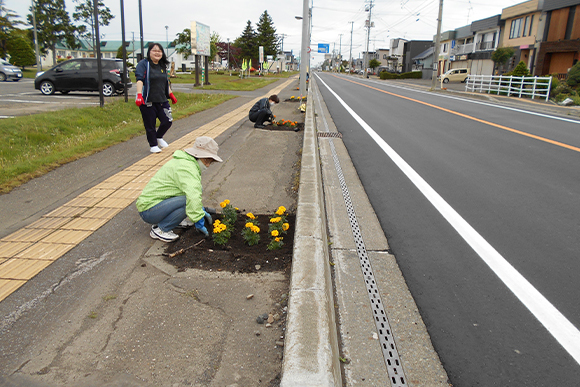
311,354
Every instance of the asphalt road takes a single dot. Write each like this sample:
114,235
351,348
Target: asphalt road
480,207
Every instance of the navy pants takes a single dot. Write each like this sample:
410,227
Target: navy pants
260,116
150,114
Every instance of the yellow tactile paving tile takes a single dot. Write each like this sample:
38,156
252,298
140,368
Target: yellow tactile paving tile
9,249
44,251
83,202
126,194
114,203
96,193
110,185
101,213
72,237
22,269
65,212
133,186
7,287
28,235
52,223
86,224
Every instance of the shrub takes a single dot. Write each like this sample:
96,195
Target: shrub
388,75
521,70
574,76
412,75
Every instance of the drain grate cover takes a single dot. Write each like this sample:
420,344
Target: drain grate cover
330,134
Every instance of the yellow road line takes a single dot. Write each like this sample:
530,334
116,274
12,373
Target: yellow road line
553,142
26,252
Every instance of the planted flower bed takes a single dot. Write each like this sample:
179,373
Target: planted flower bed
244,243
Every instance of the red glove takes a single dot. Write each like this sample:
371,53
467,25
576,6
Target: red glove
173,99
139,100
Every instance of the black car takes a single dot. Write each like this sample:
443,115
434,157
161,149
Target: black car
82,75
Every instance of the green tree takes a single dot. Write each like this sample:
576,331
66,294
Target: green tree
373,64
53,26
266,35
247,42
501,55
20,49
521,70
183,42
213,48
85,13
7,24
573,76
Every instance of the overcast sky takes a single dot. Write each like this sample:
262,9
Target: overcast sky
408,19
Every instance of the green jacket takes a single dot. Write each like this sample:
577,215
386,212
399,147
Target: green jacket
180,176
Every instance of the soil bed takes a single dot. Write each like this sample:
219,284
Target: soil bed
299,126
236,256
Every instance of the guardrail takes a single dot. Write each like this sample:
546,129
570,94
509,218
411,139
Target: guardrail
533,87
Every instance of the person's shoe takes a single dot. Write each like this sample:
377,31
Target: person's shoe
165,236
296,129
259,126
186,223
155,149
162,143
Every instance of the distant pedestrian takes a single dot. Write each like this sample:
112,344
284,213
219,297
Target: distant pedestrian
261,112
172,198
153,90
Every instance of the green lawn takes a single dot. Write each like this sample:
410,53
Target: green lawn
35,144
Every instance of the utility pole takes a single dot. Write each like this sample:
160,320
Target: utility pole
340,52
167,39
133,46
368,25
38,63
141,29
304,54
350,53
437,44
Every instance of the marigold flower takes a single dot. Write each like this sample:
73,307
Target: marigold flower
278,239
217,221
281,210
226,201
285,226
275,220
249,225
255,229
223,204
275,233
250,215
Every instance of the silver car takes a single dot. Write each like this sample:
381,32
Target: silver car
9,72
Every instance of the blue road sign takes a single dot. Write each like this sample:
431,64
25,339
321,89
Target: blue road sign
324,48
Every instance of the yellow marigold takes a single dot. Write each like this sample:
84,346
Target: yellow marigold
236,208
275,233
223,204
278,239
275,220
250,215
255,229
226,201
281,210
285,226
217,221
292,97
249,225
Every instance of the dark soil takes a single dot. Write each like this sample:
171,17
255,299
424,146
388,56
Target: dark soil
192,250
295,100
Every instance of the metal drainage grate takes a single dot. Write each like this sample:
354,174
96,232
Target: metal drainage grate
330,134
386,339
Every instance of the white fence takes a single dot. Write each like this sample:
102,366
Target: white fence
533,87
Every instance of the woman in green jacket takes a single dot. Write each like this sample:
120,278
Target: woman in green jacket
172,198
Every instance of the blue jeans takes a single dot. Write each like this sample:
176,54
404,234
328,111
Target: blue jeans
167,214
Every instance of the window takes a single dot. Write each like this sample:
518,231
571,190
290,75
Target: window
530,28
524,32
570,23
515,29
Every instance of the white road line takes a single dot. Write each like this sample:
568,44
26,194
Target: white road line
48,102
555,322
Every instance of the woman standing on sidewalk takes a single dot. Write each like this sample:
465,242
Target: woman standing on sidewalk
153,90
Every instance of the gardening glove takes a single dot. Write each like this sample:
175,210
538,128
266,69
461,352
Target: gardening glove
173,99
139,100
200,226
207,218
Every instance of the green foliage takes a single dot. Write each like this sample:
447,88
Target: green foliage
266,35
7,25
20,49
554,85
501,55
521,70
53,26
247,42
388,75
373,64
412,75
183,42
213,48
574,75
85,13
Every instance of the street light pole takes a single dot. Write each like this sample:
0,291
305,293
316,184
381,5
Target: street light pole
38,64
304,54
437,44
167,39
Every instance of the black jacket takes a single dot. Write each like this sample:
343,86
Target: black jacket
262,104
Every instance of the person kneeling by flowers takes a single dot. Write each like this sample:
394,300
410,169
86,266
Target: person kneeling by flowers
172,198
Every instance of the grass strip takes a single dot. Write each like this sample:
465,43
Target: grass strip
34,145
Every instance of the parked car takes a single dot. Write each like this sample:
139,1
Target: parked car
82,75
455,75
9,71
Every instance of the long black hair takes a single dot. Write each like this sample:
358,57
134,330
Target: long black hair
163,61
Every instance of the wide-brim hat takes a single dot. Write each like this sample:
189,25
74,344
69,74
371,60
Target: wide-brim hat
204,147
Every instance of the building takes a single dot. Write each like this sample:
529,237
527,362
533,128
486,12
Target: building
560,45
446,41
410,50
396,51
521,23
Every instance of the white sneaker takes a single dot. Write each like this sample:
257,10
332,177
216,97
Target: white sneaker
155,149
165,236
162,143
186,223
